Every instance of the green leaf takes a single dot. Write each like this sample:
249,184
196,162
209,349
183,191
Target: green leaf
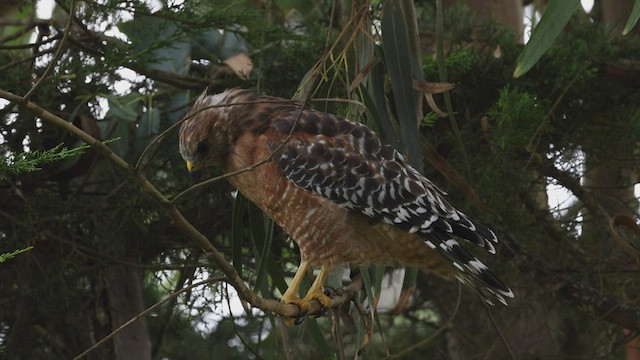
123,107
375,100
410,276
399,57
378,275
554,19
377,279
367,284
275,271
404,66
376,284
237,234
262,233
18,163
6,256
633,18
120,130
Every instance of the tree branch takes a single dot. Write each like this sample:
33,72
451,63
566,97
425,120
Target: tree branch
246,294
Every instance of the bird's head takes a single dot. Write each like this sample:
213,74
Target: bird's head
204,136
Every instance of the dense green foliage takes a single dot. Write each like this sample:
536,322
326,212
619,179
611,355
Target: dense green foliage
572,123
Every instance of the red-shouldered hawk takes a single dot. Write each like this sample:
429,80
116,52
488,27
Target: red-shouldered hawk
336,189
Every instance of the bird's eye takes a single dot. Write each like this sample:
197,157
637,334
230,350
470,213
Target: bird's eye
203,148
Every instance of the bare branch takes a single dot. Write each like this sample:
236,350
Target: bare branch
286,310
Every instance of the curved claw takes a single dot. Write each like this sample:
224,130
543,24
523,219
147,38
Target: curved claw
323,300
303,306
330,291
315,293
303,311
323,309
298,320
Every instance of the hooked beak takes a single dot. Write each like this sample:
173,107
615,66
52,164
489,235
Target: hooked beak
190,166
194,170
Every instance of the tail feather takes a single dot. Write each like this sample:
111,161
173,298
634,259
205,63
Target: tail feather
470,235
471,270
465,228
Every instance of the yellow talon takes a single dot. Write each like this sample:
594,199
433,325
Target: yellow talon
315,293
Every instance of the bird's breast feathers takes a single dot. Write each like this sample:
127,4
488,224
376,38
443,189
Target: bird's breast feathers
321,163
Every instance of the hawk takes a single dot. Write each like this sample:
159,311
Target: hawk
336,189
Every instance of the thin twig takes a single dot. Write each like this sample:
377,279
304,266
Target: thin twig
500,334
251,167
160,138
254,165
29,45
25,59
234,279
57,54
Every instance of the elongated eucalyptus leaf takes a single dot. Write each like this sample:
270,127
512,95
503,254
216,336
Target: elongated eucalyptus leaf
376,103
275,271
408,287
377,279
403,66
398,55
369,285
262,233
633,18
360,335
237,231
378,275
554,19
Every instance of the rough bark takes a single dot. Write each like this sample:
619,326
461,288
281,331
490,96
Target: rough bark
125,297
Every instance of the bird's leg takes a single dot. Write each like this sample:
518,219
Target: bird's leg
315,293
291,295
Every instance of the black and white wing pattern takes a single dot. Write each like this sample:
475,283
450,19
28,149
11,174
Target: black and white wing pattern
346,162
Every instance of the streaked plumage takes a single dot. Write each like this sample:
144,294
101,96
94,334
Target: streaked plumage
335,188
